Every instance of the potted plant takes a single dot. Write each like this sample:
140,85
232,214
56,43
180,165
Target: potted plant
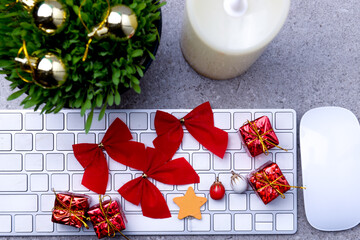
94,69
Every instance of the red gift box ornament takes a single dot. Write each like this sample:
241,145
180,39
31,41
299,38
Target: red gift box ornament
258,136
268,182
70,209
117,144
155,165
107,218
200,124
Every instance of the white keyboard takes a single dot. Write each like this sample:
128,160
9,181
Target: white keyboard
36,156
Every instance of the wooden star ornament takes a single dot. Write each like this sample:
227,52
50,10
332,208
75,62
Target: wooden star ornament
190,204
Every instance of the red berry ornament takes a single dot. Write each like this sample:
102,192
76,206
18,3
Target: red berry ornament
217,190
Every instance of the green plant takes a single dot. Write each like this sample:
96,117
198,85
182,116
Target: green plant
111,66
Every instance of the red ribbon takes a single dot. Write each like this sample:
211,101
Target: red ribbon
200,124
155,165
117,144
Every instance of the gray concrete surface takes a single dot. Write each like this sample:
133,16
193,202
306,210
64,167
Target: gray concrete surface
314,61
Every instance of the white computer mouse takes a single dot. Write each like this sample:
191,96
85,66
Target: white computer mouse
330,162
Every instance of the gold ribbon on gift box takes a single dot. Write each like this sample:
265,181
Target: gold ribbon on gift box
110,225
261,138
273,184
67,209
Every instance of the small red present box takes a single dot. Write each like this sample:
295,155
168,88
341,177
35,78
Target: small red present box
107,218
70,209
268,182
258,136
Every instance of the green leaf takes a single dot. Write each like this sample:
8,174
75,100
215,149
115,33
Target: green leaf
140,71
16,94
110,99
102,112
136,88
134,80
99,100
89,121
137,53
117,98
116,72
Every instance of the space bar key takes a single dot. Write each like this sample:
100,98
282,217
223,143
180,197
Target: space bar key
172,224
18,203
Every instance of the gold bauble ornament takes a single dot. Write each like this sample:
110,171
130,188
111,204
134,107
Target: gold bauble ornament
50,16
121,23
48,71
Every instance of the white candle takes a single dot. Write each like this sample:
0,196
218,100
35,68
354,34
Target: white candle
221,39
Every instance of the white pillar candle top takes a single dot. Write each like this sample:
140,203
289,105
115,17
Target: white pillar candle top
237,26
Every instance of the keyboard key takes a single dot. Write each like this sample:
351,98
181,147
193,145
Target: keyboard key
39,182
285,160
268,114
23,223
222,120
267,217
240,118
217,205
201,161
206,180
164,187
262,158
285,140
55,162
121,179
263,226
10,203
73,164
170,202
237,202
153,225
148,138
286,204
13,183
86,138
225,179
10,121
222,164
185,187
66,228
34,122
189,142
43,223
60,182
75,121
34,162
23,142
116,166
284,222
76,183
138,121
96,124
234,141
243,222
55,122
152,120
182,155
202,225
222,222
113,116
11,162
129,207
47,202
242,161
5,141
284,120
44,142
5,226
64,141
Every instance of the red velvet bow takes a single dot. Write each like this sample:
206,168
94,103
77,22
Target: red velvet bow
155,165
117,144
200,124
